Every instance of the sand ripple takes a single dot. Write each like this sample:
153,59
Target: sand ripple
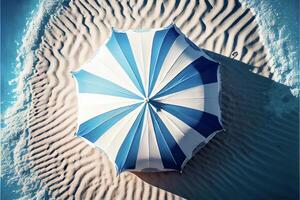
248,159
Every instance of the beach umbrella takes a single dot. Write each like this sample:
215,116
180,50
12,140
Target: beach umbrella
149,99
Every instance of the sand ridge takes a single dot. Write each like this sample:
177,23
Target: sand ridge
68,166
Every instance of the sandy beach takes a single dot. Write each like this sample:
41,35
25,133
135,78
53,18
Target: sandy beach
248,159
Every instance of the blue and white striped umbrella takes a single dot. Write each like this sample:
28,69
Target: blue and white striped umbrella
148,99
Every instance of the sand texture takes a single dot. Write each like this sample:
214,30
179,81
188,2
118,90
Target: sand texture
247,160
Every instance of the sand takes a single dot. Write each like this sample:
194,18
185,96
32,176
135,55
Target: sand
239,161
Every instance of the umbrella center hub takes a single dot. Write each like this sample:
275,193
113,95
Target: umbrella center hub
146,100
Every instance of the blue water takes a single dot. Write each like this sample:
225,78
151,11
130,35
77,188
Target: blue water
281,38
14,16
279,28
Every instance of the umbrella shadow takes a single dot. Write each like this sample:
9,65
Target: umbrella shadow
256,157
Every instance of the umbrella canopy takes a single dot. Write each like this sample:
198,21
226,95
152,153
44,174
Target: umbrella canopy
148,99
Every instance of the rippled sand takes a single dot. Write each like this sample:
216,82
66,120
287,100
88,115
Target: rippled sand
247,160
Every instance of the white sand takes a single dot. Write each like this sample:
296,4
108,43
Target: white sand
70,167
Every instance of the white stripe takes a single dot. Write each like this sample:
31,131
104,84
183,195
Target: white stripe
112,140
147,42
175,51
103,64
136,47
187,57
186,137
141,45
203,98
91,105
142,161
149,155
155,161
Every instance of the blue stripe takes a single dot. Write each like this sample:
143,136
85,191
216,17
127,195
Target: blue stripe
171,154
127,154
156,45
94,128
162,42
201,71
120,48
90,83
203,122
